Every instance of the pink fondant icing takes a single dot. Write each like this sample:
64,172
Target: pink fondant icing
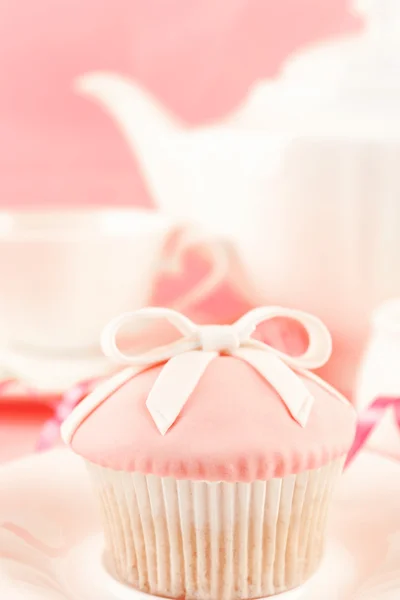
234,427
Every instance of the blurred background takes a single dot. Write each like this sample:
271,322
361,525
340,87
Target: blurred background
207,156
198,58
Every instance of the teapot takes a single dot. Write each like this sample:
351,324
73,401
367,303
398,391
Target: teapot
303,177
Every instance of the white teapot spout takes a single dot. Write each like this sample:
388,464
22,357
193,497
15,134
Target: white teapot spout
199,173
138,115
149,129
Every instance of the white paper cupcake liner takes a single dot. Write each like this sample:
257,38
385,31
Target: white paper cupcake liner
214,541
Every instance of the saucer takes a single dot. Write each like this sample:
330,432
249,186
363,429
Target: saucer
51,549
53,375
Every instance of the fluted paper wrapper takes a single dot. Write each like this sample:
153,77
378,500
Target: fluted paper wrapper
214,541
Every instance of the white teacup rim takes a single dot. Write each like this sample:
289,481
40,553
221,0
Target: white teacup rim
71,224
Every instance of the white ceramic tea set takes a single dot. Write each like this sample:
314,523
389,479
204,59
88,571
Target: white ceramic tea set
294,197
68,272
302,179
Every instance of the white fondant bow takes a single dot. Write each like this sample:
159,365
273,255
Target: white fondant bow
188,357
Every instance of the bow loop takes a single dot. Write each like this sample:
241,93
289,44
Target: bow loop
319,339
138,321
188,356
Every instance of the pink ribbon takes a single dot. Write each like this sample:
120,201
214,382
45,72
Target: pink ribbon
72,397
50,432
13,387
369,420
32,541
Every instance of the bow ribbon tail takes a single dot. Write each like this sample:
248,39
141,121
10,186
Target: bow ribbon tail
294,393
174,385
92,401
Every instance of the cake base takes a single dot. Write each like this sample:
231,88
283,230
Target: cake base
120,591
84,573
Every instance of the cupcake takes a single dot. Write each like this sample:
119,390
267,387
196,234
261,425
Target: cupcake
214,458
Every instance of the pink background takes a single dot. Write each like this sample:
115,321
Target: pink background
198,57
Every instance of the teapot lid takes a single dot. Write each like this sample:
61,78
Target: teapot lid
364,67
360,71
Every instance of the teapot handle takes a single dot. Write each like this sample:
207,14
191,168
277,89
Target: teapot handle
216,249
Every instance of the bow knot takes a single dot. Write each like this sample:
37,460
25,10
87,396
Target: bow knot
187,358
218,338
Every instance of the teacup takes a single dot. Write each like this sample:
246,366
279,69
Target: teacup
66,273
